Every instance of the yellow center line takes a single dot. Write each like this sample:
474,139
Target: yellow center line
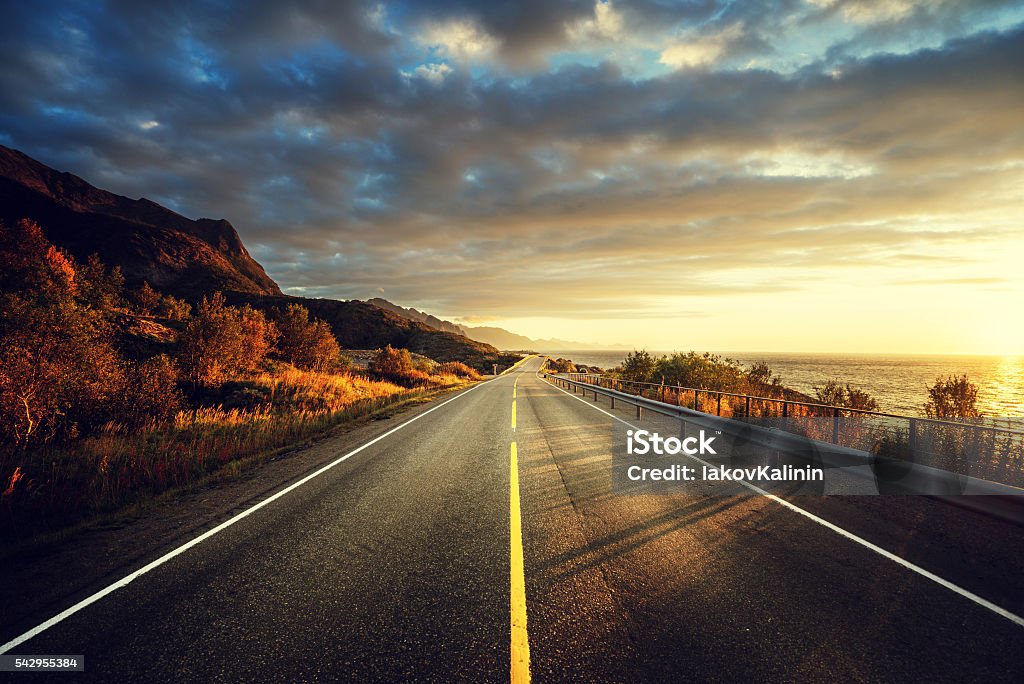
514,386
520,641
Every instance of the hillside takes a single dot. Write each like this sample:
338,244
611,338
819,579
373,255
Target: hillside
414,315
193,258
361,325
147,241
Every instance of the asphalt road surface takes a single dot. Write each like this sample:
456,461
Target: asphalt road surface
419,557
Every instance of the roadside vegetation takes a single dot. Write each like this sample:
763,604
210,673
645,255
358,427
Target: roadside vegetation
109,395
998,456
954,397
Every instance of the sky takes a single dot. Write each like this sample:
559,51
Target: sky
796,175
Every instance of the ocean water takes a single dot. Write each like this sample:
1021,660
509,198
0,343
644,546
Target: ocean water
898,382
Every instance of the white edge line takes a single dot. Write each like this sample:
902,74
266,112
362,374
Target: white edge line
984,603
127,579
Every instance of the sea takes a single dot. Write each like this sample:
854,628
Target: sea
899,382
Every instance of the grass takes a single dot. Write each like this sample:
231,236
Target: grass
114,468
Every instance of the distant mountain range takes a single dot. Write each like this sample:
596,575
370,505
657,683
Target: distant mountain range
498,337
414,315
193,258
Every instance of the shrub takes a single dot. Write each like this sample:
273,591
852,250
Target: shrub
398,367
146,300
638,366
392,362
954,397
703,371
762,379
222,342
560,365
835,393
151,393
306,344
173,308
458,369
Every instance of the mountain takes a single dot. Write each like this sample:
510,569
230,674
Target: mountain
497,337
192,258
414,315
503,339
361,325
146,240
500,338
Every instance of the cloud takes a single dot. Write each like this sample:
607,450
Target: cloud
607,23
699,50
474,158
432,73
458,39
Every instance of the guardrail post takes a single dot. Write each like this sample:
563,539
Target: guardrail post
639,413
696,396
682,428
719,403
912,437
835,425
747,414
613,401
595,395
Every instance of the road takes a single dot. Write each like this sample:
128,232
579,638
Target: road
404,560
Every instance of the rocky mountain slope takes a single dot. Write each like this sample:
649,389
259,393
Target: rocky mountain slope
146,240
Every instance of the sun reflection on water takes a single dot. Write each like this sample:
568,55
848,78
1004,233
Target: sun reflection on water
1002,395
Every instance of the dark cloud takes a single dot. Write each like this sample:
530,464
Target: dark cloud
540,160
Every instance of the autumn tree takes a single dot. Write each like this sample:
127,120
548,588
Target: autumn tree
146,299
222,342
307,344
59,372
99,287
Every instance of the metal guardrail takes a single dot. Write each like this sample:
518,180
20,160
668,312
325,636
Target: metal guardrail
750,403
988,451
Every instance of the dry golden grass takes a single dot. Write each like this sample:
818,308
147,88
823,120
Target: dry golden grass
115,467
